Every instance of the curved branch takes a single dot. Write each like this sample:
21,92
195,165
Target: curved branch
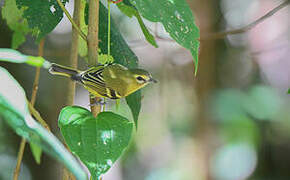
248,27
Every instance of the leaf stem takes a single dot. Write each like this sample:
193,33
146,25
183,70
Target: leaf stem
32,101
71,20
93,40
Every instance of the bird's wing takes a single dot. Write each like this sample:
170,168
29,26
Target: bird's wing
93,80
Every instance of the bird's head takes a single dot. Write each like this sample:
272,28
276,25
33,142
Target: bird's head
142,77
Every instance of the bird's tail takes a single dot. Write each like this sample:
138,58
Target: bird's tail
57,69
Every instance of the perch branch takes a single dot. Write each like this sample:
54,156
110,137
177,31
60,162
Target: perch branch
93,40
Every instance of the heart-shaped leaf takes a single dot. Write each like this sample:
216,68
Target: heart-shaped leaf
99,141
14,110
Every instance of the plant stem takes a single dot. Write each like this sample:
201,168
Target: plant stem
32,101
93,40
19,159
73,62
71,20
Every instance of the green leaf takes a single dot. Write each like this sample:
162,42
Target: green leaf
42,16
99,141
13,109
288,91
129,10
177,19
134,102
13,56
15,22
36,152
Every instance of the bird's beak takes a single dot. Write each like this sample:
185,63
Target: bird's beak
153,80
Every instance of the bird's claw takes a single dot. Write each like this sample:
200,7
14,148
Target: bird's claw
98,102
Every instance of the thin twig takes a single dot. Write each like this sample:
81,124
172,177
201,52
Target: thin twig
248,27
32,101
19,159
93,41
71,20
37,74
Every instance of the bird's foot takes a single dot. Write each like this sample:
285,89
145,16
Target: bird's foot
97,101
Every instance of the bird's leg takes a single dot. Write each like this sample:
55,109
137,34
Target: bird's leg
98,101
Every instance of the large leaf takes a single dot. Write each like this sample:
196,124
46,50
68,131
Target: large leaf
177,19
42,16
13,109
99,141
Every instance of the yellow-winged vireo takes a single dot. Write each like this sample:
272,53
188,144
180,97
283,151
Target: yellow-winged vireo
113,81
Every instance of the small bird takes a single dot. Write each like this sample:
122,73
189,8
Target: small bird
112,81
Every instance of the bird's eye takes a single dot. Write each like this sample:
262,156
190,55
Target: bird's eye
140,78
